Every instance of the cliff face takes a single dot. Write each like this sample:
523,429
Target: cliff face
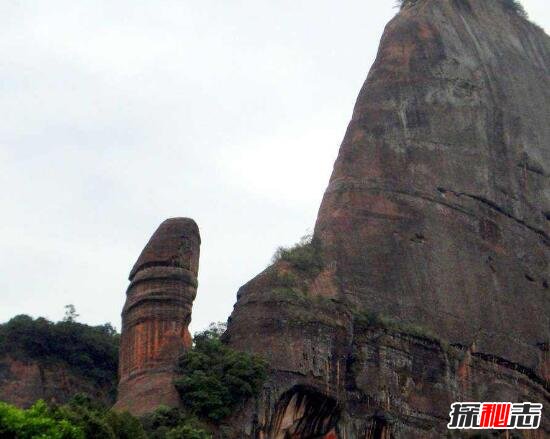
156,316
435,220
23,382
437,209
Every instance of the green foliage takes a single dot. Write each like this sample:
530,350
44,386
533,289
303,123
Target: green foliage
368,319
372,319
70,313
36,423
97,421
172,423
286,294
403,3
515,6
124,425
286,279
187,432
304,256
214,332
91,350
213,378
83,418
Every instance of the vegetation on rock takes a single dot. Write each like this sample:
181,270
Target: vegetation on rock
90,350
304,256
214,379
367,319
172,423
371,319
515,6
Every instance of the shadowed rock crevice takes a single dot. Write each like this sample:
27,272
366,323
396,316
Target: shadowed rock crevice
304,413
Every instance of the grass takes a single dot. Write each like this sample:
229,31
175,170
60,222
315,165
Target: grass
305,256
371,319
402,3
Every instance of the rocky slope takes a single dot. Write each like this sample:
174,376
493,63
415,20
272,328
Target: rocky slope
23,382
436,220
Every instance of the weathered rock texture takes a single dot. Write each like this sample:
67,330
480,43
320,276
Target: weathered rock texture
156,315
436,219
23,382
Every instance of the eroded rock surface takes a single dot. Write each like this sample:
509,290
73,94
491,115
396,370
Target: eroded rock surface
156,315
436,218
23,382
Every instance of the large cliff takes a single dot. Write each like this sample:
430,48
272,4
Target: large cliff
427,278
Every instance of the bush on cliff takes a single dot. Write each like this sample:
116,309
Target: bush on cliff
304,256
91,350
403,3
214,378
515,6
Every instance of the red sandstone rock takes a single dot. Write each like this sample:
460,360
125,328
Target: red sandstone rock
23,382
437,218
156,316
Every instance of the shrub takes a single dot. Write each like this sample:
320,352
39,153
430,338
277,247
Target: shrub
304,256
287,294
515,6
96,420
172,423
187,432
286,279
35,422
81,418
373,319
214,378
403,3
124,425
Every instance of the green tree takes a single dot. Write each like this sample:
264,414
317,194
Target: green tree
90,350
70,313
173,423
35,423
97,421
214,378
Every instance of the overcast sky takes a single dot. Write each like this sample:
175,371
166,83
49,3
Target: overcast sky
118,114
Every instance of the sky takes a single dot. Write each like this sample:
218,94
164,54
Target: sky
118,115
